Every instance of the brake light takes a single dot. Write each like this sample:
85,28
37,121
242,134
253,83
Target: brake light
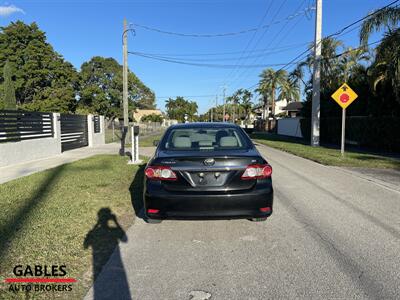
160,173
257,172
265,209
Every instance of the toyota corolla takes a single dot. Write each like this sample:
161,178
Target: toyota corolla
207,170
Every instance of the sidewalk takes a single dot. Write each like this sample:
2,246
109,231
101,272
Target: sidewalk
28,168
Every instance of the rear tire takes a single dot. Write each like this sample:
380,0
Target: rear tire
258,219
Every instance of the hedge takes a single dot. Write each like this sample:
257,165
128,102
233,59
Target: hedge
377,133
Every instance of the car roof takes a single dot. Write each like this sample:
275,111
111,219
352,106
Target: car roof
205,125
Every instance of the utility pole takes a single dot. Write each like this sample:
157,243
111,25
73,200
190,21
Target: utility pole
212,112
223,99
125,87
316,76
216,108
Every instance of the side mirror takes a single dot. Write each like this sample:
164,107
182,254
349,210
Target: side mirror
156,142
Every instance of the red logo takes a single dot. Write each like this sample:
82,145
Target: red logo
344,98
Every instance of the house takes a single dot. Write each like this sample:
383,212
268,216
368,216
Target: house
138,114
280,105
293,109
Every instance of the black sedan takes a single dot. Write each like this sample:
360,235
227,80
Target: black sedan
207,171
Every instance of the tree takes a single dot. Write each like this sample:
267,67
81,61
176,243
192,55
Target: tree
101,88
241,99
296,78
386,18
152,118
386,68
9,101
351,60
329,63
246,103
217,112
39,71
385,71
270,81
233,100
179,107
289,90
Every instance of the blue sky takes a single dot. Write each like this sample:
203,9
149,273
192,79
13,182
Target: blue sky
80,29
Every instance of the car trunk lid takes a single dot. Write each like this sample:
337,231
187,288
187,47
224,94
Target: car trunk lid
209,173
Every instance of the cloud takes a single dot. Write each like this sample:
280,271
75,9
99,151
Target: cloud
7,10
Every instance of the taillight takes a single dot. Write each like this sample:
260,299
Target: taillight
257,172
160,173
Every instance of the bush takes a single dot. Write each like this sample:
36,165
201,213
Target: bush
376,133
152,118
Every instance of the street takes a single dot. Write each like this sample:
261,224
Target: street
332,235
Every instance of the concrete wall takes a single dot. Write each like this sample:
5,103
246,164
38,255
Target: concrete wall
18,152
12,153
290,127
96,139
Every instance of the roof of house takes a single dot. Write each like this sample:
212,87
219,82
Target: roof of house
293,106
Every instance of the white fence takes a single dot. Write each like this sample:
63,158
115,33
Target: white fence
289,127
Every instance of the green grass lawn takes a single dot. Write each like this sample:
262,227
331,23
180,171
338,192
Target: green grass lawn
147,141
46,217
144,140
326,156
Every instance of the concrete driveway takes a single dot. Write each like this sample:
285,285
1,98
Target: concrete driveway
333,234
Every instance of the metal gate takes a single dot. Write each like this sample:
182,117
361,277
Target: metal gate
74,131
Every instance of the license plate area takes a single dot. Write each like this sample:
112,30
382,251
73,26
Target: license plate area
214,178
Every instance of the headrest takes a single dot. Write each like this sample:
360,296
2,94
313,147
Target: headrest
200,137
205,143
182,142
228,141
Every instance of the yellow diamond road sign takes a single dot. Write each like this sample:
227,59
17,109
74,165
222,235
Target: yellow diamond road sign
344,96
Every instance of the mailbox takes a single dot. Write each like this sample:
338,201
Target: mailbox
136,130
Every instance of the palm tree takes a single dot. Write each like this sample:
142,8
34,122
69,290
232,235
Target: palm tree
385,18
296,78
245,102
329,61
289,91
270,81
386,67
233,101
351,60
387,63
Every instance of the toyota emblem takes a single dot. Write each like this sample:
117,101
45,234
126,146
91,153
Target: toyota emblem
209,161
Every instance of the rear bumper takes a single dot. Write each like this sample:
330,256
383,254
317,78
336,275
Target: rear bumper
209,205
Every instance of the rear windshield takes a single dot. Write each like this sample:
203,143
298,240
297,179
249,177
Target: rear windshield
207,139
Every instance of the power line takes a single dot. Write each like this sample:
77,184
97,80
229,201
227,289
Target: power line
290,46
204,65
215,59
197,35
362,19
251,39
247,71
337,33
294,61
195,96
331,57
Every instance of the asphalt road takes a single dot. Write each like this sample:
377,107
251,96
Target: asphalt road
333,234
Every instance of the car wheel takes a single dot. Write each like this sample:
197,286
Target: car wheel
258,219
152,221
